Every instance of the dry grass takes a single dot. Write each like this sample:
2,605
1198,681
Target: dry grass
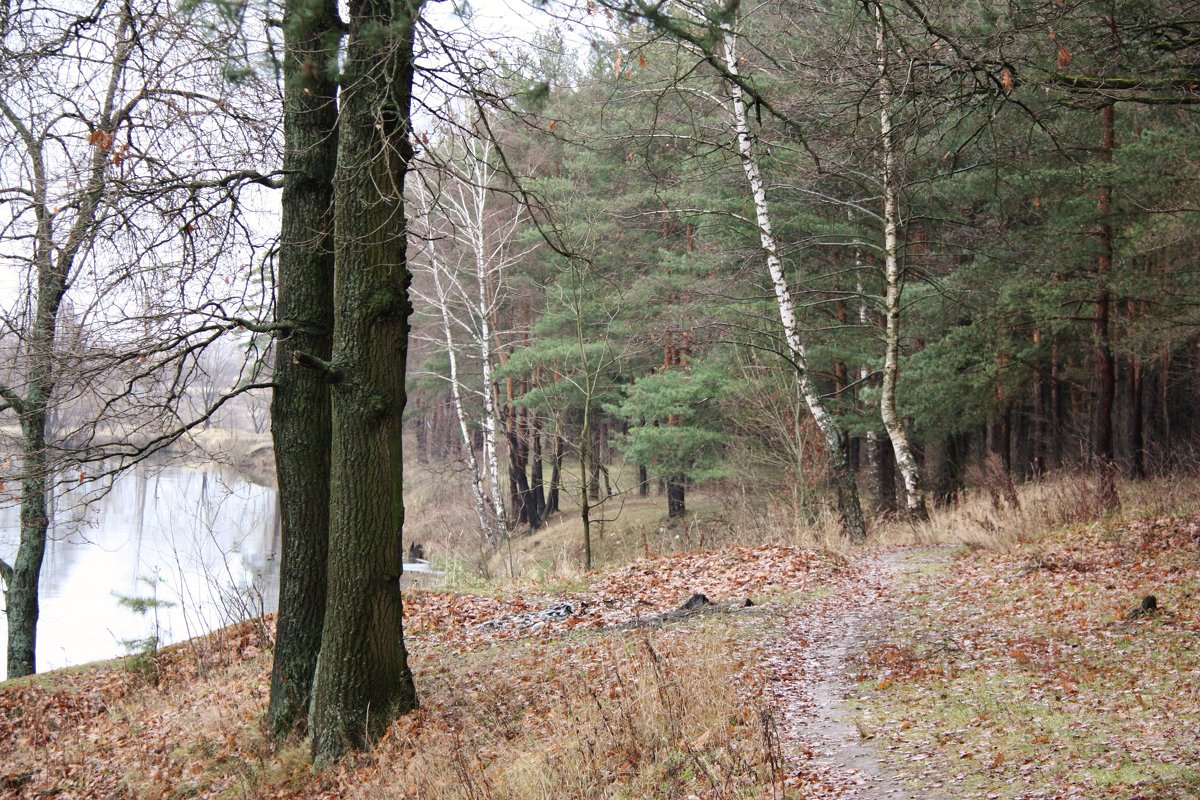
598,716
439,514
1024,674
995,515
609,717
977,520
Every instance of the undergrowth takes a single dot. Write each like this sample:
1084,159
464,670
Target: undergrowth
597,716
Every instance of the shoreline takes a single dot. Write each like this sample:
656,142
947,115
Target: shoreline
249,454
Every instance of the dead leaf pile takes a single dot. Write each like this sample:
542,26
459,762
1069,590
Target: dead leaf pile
642,589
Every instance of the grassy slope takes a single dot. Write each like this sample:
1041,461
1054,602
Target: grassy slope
1020,675
1013,676
579,708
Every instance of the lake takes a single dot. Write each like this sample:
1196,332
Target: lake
202,545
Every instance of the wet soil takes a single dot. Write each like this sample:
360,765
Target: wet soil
811,662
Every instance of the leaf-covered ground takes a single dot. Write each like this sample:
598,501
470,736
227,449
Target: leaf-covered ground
1025,675
641,590
988,675
522,696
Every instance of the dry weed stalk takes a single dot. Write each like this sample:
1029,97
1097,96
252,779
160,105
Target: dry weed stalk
615,716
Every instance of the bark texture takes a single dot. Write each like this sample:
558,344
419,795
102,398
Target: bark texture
300,412
363,680
846,485
914,497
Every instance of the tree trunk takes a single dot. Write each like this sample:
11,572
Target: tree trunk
536,484
54,260
422,429
885,475
1105,364
914,496
1038,402
1137,443
1137,438
675,497
853,521
1057,426
998,438
478,478
518,457
552,504
1163,400
949,481
300,412
594,466
586,457
529,512
486,291
21,595
363,679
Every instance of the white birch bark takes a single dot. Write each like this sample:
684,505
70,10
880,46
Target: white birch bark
486,301
835,438
905,462
477,478
480,235
864,374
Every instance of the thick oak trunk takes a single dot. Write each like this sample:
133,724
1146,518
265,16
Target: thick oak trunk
363,680
300,412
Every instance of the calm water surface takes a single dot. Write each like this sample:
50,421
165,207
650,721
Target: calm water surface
203,543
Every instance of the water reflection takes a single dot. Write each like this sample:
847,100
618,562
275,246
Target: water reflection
203,543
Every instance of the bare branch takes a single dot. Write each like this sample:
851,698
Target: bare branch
308,361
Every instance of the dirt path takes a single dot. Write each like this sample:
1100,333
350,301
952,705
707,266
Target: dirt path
811,666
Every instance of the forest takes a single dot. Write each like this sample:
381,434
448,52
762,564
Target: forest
664,399
961,239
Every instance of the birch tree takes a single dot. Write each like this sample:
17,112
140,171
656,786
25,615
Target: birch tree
831,429
470,246
893,279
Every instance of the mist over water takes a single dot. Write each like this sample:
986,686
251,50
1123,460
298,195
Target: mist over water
202,544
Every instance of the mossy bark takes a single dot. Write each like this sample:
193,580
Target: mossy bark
363,681
300,412
21,596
